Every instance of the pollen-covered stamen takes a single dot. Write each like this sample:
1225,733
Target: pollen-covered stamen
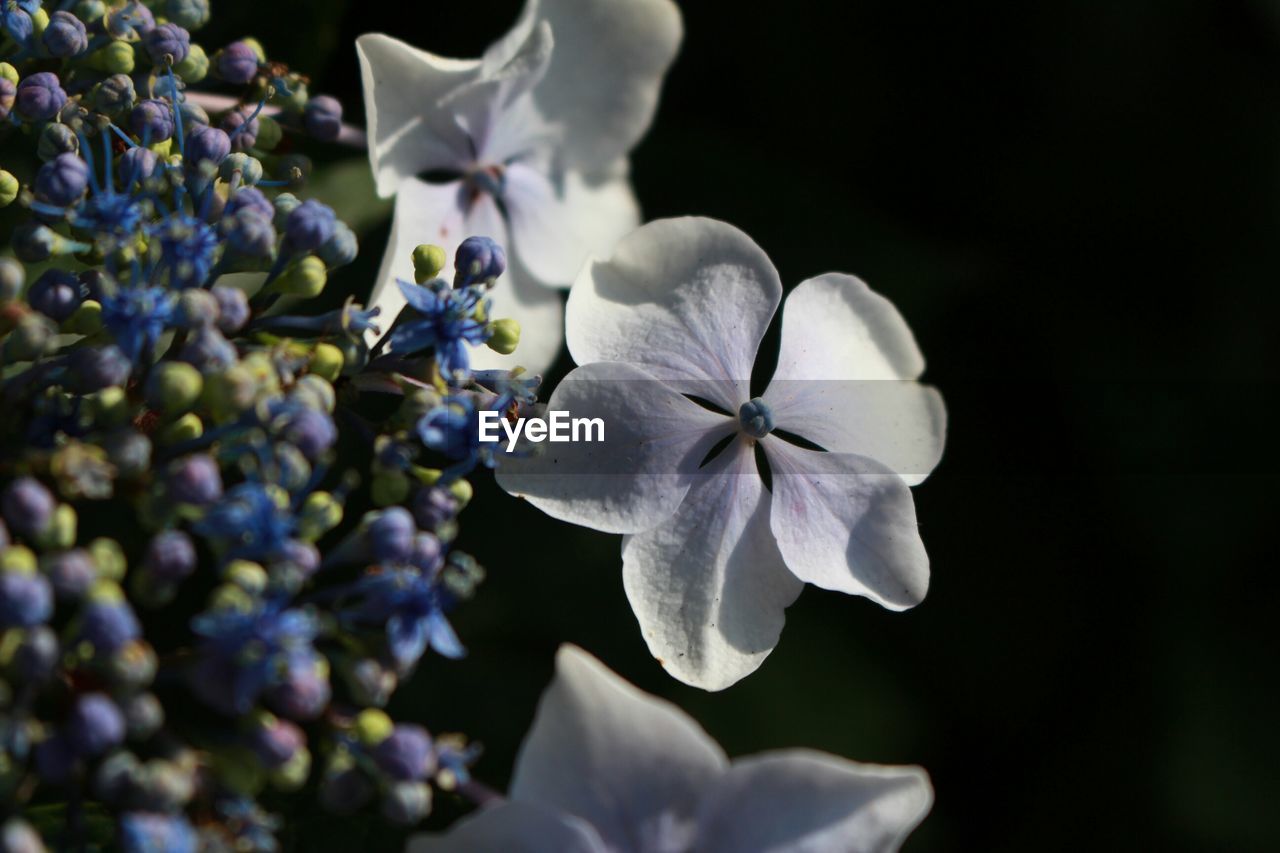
756,418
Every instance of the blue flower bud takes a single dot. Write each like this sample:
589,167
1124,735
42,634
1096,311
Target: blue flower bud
323,118
27,506
756,418
96,368
167,43
55,294
65,35
71,572
249,233
275,741
406,755
192,14
18,24
196,309
206,143
406,803
131,18
40,96
390,535
115,94
36,659
233,308
8,94
479,260
194,480
137,165
250,198
109,624
305,692
237,63
170,556
62,180
312,432
310,226
152,121
56,139
340,249
208,351
434,507
240,128
26,599
95,725
428,552
145,832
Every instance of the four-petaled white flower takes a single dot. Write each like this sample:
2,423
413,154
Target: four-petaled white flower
527,146
710,558
609,769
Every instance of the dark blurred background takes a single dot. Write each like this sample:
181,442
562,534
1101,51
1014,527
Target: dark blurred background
1076,205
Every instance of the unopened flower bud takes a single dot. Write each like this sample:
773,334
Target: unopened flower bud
115,58
65,36
174,387
269,133
428,261
166,44
305,278
40,96
505,336
56,139
195,67
237,63
9,188
323,118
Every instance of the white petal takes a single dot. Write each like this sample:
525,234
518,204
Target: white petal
606,73
847,523
494,104
799,801
709,586
688,298
654,440
845,378
630,764
433,213
512,827
408,135
555,231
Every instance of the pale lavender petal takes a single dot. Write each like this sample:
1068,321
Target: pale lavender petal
512,827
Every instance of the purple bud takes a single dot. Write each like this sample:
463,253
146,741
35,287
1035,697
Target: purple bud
195,480
55,294
250,198
170,557
8,94
237,63
433,507
95,368
152,120
137,164
17,24
233,308
208,350
276,743
40,96
312,432
250,233
304,692
96,724
428,553
323,118
241,129
27,506
390,535
207,143
406,754
167,43
71,572
65,35
478,259
25,600
309,226
62,180
109,625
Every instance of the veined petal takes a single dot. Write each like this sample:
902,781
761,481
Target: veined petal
511,827
688,298
799,801
555,232
632,765
604,79
846,378
847,523
408,135
709,586
446,214
633,480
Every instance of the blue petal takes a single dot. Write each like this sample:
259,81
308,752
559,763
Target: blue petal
407,638
443,639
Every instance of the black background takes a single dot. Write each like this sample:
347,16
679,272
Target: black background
1076,206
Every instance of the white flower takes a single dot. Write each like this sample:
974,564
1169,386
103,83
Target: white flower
527,146
609,769
710,558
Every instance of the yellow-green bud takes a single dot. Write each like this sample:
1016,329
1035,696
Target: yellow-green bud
462,492
250,577
109,558
174,388
427,262
269,133
257,48
239,770
111,406
372,726
105,592
39,21
163,148
321,512
87,320
9,73
194,68
115,58
505,337
186,428
326,361
61,532
388,488
293,775
305,278
19,559
228,596
9,188
230,392
296,100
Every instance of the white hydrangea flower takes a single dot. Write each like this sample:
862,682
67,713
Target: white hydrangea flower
712,557
527,146
607,768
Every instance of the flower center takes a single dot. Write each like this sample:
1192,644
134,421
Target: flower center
486,179
756,418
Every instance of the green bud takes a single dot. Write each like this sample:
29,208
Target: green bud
257,48
428,260
195,67
505,337
326,361
174,387
296,101
61,533
269,133
389,487
30,338
321,512
250,168
314,392
9,188
87,320
90,11
115,58
285,204
39,21
230,392
18,559
462,492
305,278
372,726
186,428
9,73
239,770
109,557
250,577
293,775
228,596
110,406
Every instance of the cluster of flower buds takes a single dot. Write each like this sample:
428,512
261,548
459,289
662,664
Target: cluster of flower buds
198,592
